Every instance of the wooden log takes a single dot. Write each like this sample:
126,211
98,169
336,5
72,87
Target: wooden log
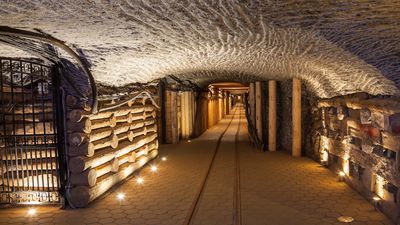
19,98
122,111
84,149
85,178
127,135
115,165
272,115
79,164
29,108
127,118
78,197
42,180
119,129
71,100
106,122
28,129
390,141
137,124
107,181
28,154
83,126
132,157
77,115
75,139
296,118
102,143
259,111
37,117
47,164
150,121
101,133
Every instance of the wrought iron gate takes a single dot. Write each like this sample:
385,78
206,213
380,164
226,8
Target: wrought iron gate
29,149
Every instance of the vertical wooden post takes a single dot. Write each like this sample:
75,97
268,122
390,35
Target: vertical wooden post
272,115
259,111
190,113
174,118
252,104
296,118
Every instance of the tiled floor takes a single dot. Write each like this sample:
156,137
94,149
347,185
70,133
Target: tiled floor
275,189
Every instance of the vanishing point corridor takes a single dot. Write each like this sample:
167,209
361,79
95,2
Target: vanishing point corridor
241,186
199,112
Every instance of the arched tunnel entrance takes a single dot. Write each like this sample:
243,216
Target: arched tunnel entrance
199,112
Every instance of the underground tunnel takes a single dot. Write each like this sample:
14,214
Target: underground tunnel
199,112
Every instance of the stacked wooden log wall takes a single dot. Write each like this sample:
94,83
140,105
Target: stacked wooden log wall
107,147
361,137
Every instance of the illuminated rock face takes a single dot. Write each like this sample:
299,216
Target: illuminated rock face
336,47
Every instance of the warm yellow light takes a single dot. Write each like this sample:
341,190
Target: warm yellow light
346,166
120,196
342,174
32,212
153,168
189,141
164,158
379,186
376,198
139,180
325,156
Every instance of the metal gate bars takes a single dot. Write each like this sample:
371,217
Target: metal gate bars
29,149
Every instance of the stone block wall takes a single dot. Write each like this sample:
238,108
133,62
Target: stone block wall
360,138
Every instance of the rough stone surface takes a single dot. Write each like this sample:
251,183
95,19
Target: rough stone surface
336,47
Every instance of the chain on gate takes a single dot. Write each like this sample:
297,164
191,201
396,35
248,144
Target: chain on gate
28,133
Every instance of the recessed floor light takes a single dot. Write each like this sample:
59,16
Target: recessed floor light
345,219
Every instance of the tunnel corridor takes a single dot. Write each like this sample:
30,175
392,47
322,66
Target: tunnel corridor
219,178
199,112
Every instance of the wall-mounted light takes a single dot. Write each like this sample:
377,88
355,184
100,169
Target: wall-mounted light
164,158
376,201
189,141
324,157
341,176
346,167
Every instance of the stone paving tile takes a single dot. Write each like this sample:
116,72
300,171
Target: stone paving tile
280,189
216,204
276,189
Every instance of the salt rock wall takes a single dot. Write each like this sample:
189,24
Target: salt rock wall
335,47
361,138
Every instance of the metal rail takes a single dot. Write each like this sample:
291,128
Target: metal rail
236,204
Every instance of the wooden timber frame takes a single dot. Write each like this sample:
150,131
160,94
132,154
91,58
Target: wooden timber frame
107,147
31,133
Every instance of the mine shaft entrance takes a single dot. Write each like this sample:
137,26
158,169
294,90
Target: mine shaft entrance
30,132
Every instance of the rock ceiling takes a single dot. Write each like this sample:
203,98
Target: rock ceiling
336,47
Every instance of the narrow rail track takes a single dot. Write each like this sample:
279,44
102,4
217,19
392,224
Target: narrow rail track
236,219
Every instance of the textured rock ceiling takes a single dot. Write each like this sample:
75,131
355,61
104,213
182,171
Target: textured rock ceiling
336,47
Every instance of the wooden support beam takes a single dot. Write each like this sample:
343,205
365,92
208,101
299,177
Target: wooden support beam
296,118
272,115
258,88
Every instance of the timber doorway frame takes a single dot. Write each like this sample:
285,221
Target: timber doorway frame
32,145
